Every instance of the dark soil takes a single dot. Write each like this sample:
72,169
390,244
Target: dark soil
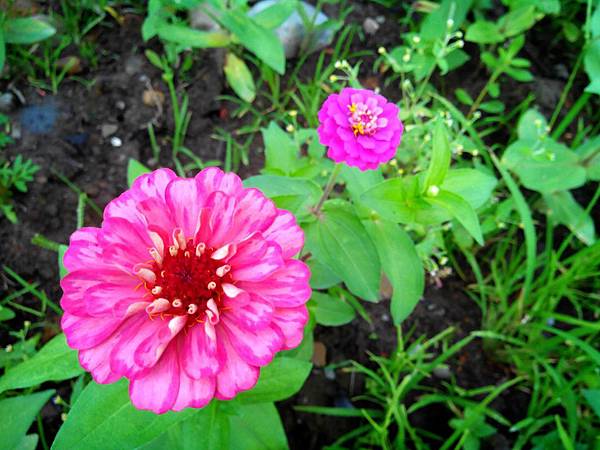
63,134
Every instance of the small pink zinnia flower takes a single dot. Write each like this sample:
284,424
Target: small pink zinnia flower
187,289
360,128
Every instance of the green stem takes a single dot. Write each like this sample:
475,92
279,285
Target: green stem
566,90
484,92
328,188
571,115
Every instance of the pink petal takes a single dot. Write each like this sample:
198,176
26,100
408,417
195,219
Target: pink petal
214,179
193,393
250,312
97,361
236,374
86,332
222,210
259,269
254,212
286,288
113,300
199,356
184,202
285,231
140,345
291,322
158,389
84,250
256,347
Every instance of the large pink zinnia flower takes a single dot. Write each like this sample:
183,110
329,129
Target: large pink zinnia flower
187,289
360,128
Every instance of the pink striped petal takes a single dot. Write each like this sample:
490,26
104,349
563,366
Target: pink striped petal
158,389
199,355
256,347
236,374
285,231
291,322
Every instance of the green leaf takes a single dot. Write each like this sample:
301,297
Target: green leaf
322,277
463,96
17,415
434,26
27,30
259,40
593,398
257,427
484,32
348,251
281,153
401,264
293,194
274,15
6,314
492,107
565,210
239,77
207,429
62,270
591,63
154,59
29,442
548,168
104,417
54,362
532,125
460,209
475,186
331,311
440,158
517,21
134,170
188,37
279,380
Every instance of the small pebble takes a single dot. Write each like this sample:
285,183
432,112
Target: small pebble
370,26
329,373
120,105
115,141
442,372
7,102
108,129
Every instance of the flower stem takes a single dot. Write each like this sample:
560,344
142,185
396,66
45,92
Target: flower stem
328,188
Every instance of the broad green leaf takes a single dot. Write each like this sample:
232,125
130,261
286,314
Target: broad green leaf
322,277
401,264
62,270
134,170
54,362
357,181
492,107
27,30
400,200
547,167
532,125
279,380
565,210
331,311
29,442
188,37
274,15
461,210
475,186
348,251
517,21
281,153
259,40
207,429
484,32
591,63
239,77
434,26
593,398
17,415
104,418
440,158
257,427
293,194
6,314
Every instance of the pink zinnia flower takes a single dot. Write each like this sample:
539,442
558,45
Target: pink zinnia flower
360,128
187,289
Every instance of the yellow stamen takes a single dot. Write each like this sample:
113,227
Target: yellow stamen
352,108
